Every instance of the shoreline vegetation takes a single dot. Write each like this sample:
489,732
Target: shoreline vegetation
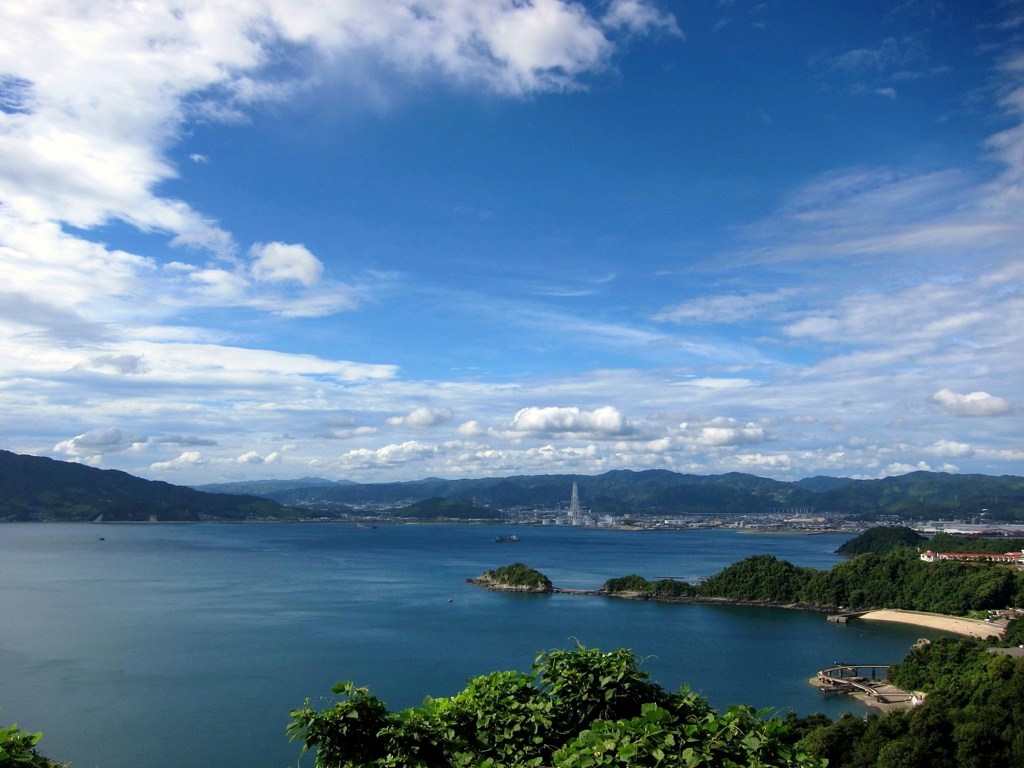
958,625
884,581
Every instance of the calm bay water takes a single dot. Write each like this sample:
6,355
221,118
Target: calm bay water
164,646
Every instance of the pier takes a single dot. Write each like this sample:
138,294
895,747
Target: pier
866,681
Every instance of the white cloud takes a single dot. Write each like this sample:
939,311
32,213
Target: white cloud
350,432
606,420
639,17
971,404
949,449
190,441
759,462
924,265
393,455
731,435
254,457
276,262
423,416
730,308
898,468
184,460
470,428
97,441
127,365
96,94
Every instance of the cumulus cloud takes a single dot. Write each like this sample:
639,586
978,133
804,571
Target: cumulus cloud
721,432
254,457
949,449
471,428
904,468
393,455
759,462
971,404
277,262
424,416
98,441
606,421
183,461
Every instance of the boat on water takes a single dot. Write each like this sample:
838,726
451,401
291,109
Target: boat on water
507,539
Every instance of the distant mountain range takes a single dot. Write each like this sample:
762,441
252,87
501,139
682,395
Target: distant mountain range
34,488
661,492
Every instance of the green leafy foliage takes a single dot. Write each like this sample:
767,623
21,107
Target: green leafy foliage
579,708
665,589
1014,634
898,579
759,578
18,749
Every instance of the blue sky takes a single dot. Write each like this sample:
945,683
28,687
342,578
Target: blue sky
389,240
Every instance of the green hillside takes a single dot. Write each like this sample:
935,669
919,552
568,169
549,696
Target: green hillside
33,488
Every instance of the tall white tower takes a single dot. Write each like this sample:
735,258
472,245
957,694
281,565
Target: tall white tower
575,514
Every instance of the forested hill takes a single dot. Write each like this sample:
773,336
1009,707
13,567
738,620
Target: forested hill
36,488
919,495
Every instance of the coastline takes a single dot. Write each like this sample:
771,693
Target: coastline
954,624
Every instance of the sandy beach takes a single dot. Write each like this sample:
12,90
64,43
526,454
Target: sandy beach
955,624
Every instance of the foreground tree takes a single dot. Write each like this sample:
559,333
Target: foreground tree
18,749
577,709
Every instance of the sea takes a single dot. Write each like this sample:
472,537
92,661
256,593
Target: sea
187,645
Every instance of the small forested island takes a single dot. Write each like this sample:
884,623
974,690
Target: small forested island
516,577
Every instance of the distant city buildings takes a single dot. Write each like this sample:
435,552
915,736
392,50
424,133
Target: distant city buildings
576,515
